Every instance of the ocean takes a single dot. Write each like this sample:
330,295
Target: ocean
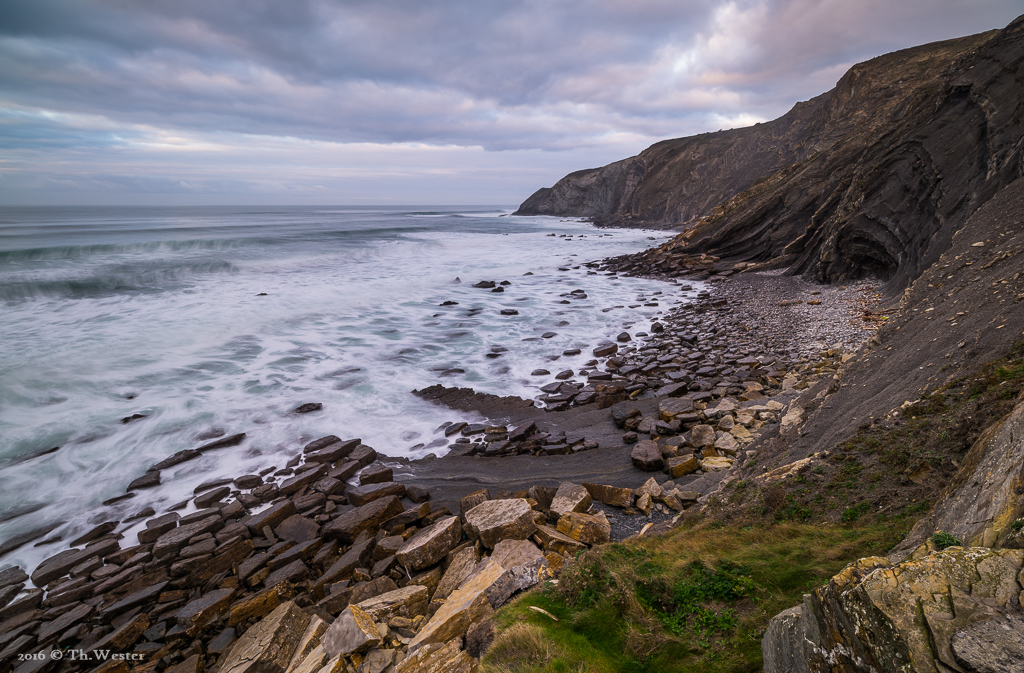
211,321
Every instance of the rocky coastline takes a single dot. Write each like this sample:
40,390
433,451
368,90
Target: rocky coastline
346,560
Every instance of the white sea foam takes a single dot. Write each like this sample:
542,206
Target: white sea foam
118,312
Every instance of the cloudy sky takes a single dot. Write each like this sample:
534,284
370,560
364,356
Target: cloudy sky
405,101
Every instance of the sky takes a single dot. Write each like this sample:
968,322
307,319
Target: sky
357,102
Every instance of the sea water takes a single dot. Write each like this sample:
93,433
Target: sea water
213,321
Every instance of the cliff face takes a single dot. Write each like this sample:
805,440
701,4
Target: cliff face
869,179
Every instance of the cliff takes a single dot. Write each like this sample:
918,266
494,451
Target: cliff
872,178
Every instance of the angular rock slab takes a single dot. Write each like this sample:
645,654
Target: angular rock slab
909,616
646,456
349,525
352,632
496,520
467,604
438,658
431,544
267,646
586,528
610,495
410,601
570,498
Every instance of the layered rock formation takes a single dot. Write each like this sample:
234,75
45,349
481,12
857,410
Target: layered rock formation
870,179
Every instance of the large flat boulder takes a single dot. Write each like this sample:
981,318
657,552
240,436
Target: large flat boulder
268,645
466,605
570,498
352,632
495,520
431,544
350,524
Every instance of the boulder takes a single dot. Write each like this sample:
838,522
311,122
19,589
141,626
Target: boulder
297,528
197,614
466,605
586,528
267,646
368,517
610,495
716,464
272,516
682,465
409,601
557,542
439,658
524,564
352,632
431,544
496,520
460,568
570,498
470,501
702,435
362,495
674,406
646,456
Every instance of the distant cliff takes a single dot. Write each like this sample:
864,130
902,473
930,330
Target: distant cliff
869,179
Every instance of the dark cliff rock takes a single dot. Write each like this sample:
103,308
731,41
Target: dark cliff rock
870,179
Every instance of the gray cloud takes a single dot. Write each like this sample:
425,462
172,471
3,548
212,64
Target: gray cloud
599,78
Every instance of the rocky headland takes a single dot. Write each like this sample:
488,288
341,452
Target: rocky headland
853,372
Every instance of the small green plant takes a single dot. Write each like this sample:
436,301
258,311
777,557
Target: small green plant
943,540
853,513
1017,525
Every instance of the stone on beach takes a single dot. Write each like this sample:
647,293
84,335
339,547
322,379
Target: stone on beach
496,520
646,456
570,498
431,544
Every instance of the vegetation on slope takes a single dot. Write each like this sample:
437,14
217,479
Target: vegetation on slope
700,597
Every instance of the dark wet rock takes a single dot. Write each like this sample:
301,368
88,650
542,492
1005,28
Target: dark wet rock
149,480
172,541
248,481
363,455
211,497
417,494
98,531
61,564
331,452
133,600
623,337
233,440
367,517
467,399
12,575
485,284
177,458
605,350
308,407
540,372
509,311
296,483
375,474
272,516
362,495
297,528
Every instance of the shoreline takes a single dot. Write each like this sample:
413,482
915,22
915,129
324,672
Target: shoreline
734,355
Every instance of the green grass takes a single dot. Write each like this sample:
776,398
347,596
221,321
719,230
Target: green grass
696,599
943,540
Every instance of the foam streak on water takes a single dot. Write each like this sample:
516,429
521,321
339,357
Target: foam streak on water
112,312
